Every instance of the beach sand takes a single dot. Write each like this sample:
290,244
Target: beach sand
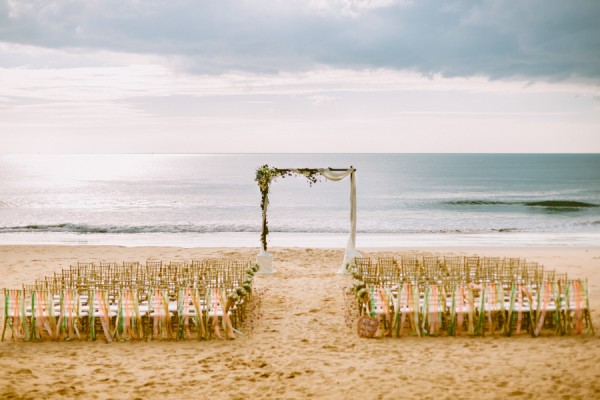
300,347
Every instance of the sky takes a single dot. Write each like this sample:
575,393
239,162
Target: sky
225,76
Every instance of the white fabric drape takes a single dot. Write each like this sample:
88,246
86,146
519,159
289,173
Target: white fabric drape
335,175
351,252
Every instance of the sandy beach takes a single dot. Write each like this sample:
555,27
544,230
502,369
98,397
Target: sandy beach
300,346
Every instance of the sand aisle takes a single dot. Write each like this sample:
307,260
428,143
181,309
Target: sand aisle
300,347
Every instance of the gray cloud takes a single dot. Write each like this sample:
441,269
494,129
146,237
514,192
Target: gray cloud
536,39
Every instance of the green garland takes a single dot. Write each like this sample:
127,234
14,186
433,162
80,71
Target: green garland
265,175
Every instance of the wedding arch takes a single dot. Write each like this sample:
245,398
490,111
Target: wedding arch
266,174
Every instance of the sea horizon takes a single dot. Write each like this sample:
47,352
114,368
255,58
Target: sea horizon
212,200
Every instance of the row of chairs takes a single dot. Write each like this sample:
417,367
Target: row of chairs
198,273
434,269
445,304
130,301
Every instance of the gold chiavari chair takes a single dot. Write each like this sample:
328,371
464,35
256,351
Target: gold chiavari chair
489,296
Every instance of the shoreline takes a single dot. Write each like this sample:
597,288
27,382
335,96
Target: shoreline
314,240
301,346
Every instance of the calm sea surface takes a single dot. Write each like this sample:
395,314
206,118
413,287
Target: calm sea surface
208,200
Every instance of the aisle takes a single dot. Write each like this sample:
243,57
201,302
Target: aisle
302,302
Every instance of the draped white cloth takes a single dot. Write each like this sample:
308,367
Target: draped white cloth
351,251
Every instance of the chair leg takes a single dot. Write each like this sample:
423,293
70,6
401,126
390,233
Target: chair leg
145,327
4,328
588,319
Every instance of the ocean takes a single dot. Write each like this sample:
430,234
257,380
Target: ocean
403,200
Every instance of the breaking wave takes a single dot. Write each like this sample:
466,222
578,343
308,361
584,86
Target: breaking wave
560,204
116,229
548,204
475,202
215,228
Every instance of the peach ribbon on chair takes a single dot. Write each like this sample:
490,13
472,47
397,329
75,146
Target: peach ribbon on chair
490,307
15,303
416,298
543,306
460,314
470,298
43,319
128,314
404,300
227,325
434,318
215,304
66,319
520,308
577,297
187,298
162,316
104,315
202,333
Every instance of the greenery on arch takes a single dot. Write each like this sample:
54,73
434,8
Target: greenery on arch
265,175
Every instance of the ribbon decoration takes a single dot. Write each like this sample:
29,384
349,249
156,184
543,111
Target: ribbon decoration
543,302
44,313
440,306
215,304
100,302
14,314
68,315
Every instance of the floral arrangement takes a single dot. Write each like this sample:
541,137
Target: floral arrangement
267,174
240,292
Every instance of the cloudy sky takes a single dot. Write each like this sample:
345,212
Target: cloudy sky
299,76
